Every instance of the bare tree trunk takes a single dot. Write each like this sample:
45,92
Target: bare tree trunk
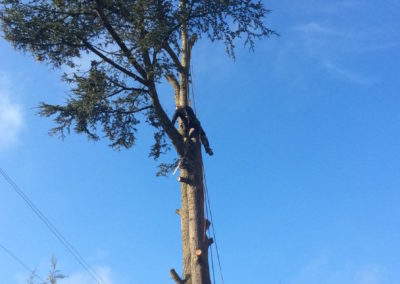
193,223
197,223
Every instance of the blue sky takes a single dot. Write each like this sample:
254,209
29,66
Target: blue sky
304,183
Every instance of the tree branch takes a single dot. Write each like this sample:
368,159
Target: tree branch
173,134
191,43
53,11
175,276
126,88
129,112
111,62
118,39
148,65
174,57
174,82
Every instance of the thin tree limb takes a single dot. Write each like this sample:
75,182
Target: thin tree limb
126,88
118,39
129,112
175,276
174,57
111,62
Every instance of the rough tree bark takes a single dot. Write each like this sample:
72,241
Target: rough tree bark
193,223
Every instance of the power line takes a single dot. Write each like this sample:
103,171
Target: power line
32,271
53,229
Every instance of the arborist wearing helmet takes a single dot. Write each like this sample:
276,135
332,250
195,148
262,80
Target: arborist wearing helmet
192,126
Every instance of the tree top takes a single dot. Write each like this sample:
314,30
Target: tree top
136,45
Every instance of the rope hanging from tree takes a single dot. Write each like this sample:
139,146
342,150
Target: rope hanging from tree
207,196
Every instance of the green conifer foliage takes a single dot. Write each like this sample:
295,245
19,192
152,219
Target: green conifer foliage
135,45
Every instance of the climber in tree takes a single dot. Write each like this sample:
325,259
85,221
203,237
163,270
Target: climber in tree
192,126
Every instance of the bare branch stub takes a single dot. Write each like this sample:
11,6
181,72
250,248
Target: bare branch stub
175,277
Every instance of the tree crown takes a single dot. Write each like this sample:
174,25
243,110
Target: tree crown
136,43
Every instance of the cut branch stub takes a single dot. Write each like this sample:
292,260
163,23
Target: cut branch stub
184,180
175,276
208,223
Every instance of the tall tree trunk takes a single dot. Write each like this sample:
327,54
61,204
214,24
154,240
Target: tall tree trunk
198,241
193,223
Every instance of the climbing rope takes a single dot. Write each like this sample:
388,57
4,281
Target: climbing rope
212,265
192,85
211,250
213,228
207,198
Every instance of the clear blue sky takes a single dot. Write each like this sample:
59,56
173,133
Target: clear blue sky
304,183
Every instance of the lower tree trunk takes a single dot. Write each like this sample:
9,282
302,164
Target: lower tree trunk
193,222
185,229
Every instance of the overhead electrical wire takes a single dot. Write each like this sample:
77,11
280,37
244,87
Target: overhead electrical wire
92,273
32,271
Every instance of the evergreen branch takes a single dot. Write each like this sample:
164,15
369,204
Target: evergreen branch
166,123
113,63
128,111
118,39
147,63
174,57
42,9
126,88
